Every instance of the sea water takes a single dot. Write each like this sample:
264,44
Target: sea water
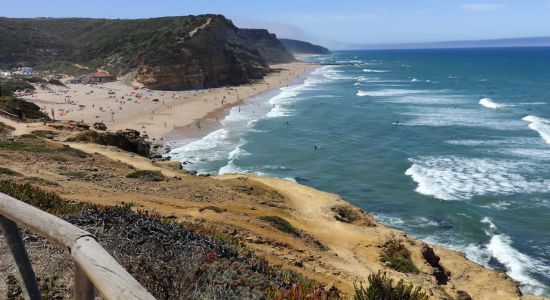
451,146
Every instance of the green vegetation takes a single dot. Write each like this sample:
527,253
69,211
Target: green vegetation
6,171
21,109
59,158
346,213
9,86
44,133
75,174
397,257
64,67
19,146
302,290
281,224
5,128
149,175
73,152
47,201
58,43
382,288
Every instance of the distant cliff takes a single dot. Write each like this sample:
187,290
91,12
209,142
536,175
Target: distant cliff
301,47
162,53
271,49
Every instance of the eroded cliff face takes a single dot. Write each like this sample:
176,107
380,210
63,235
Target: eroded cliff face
270,48
214,54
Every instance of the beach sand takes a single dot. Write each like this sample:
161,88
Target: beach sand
121,105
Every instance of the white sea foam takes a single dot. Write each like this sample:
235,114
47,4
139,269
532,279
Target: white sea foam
518,265
489,103
457,178
378,80
426,99
374,71
387,92
446,116
196,150
389,220
516,142
540,125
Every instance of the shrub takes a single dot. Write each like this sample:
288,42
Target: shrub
4,128
345,213
10,172
47,201
22,109
44,133
397,257
281,224
147,175
382,288
74,152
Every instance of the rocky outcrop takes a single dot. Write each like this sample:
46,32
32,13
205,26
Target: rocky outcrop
301,47
269,46
214,54
128,140
432,259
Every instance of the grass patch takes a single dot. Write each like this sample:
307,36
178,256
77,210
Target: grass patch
59,158
17,146
44,133
21,109
47,201
381,287
397,257
74,152
281,224
79,175
147,175
6,171
4,128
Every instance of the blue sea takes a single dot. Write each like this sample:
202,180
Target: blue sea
451,146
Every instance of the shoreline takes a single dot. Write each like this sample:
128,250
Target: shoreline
155,113
214,120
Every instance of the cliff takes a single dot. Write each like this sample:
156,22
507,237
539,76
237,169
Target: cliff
301,47
162,53
270,48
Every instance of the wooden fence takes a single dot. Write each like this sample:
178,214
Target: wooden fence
94,268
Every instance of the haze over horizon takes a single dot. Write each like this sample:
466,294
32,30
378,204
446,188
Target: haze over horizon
343,25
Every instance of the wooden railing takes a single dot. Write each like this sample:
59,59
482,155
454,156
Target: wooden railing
94,268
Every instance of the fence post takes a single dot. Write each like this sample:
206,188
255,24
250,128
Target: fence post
17,249
83,287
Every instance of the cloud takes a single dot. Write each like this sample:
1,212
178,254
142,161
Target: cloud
481,7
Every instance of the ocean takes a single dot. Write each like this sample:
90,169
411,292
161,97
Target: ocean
451,146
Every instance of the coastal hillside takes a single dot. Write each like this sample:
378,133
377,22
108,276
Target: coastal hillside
235,236
271,48
301,47
169,53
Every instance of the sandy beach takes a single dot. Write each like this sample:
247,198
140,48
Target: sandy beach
120,105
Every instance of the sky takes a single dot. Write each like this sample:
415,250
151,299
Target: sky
333,23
